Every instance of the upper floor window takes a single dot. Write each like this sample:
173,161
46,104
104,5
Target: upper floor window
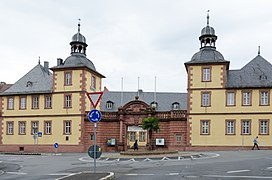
246,98
35,102
93,83
68,101
206,74
205,127
263,127
175,106
154,105
10,103
206,99
264,98
230,127
230,99
48,101
68,78
109,104
246,127
22,102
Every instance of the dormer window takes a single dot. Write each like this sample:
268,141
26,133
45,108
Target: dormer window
29,84
175,106
154,105
109,105
263,77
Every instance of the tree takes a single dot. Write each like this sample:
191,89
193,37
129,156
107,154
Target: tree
150,124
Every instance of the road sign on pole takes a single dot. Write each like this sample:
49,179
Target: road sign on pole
94,97
94,116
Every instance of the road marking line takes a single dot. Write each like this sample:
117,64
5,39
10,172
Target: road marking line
269,168
19,173
247,177
165,158
238,171
139,174
173,174
59,174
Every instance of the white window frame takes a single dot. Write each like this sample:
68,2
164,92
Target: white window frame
246,127
264,127
10,103
48,127
68,101
264,99
206,74
67,127
205,127
48,101
68,78
22,102
246,98
230,127
22,127
230,98
35,102
205,99
10,128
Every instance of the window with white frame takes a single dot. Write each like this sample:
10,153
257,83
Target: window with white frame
22,127
68,78
132,136
48,101
246,98
230,127
9,128
48,127
142,135
93,83
175,106
205,127
154,105
35,102
109,104
263,126
205,99
230,99
22,102
246,127
264,98
68,101
67,127
178,138
206,74
35,127
10,103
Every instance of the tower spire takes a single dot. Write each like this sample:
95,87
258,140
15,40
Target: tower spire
79,25
208,18
259,50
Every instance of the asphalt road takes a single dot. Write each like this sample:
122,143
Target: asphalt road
215,165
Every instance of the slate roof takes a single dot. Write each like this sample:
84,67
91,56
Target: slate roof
4,86
38,80
164,99
257,73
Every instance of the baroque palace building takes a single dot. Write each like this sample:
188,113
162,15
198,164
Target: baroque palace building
223,108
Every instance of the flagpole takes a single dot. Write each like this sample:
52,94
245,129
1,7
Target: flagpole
138,86
155,90
122,89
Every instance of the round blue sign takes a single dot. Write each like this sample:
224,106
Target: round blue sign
56,145
94,116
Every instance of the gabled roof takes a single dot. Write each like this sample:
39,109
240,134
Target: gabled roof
37,80
4,86
257,73
164,99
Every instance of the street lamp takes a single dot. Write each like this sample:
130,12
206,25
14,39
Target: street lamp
35,133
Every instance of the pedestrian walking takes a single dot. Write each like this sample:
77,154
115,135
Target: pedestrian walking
255,141
135,146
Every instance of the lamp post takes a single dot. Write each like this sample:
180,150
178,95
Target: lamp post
35,133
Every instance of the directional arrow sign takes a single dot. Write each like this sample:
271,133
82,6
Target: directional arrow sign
95,97
94,116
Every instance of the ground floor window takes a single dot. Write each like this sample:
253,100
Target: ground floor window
178,138
142,136
230,127
263,127
132,136
10,128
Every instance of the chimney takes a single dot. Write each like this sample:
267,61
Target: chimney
59,61
46,66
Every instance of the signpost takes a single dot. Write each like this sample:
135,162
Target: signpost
56,145
94,116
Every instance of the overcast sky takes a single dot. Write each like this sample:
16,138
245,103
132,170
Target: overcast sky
131,38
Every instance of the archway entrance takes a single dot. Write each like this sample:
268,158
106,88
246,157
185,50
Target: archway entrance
136,133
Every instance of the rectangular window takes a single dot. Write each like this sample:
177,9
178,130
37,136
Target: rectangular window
67,101
230,127
206,99
132,136
206,74
246,127
264,98
178,138
22,127
93,83
48,101
10,103
68,78
263,127
35,102
230,99
142,136
67,127
47,127
205,127
10,128
22,102
34,127
246,101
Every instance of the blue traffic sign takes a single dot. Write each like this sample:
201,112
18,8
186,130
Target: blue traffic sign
94,116
56,145
39,134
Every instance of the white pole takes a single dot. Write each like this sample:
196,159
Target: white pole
95,126
122,89
155,91
138,86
